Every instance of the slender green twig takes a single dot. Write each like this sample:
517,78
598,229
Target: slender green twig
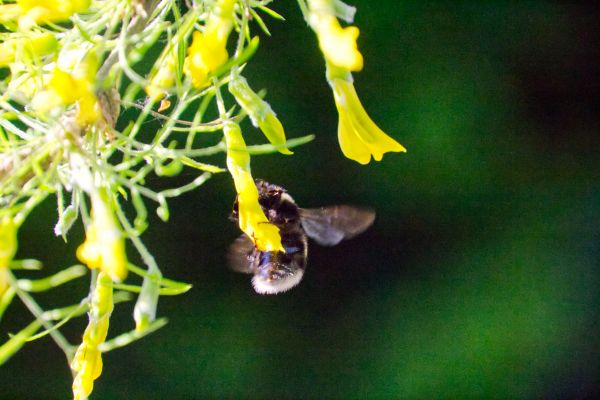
37,312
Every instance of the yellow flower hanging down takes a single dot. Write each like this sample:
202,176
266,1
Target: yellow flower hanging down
358,135
87,362
104,246
252,219
35,12
208,49
8,249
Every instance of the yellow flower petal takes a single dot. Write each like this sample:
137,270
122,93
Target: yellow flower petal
252,219
87,362
337,44
206,53
208,50
358,135
104,247
65,89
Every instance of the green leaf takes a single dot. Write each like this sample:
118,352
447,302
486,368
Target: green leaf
164,282
65,221
17,341
28,264
269,148
271,13
201,166
131,336
62,277
260,22
164,291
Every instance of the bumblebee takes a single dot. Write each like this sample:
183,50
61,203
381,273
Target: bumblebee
276,271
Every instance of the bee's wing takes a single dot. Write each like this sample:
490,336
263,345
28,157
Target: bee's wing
330,225
239,256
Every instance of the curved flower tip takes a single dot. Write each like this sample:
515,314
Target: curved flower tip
358,135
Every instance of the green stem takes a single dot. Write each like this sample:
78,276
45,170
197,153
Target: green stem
37,311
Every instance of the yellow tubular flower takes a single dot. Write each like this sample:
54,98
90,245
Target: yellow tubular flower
87,362
337,44
358,135
260,113
104,246
8,249
252,219
208,49
34,12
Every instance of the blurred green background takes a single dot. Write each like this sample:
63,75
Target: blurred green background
481,275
